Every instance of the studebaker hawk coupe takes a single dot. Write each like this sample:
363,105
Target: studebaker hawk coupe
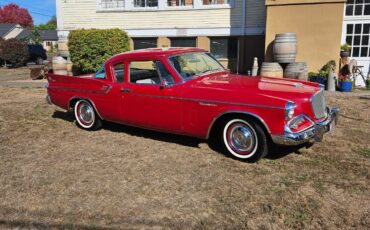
187,91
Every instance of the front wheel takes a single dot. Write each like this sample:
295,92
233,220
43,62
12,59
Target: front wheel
86,116
244,139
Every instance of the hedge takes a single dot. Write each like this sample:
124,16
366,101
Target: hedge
89,49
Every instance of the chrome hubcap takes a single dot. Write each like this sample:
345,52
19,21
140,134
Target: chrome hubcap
241,138
86,113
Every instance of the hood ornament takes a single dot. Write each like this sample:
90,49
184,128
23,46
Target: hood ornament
297,84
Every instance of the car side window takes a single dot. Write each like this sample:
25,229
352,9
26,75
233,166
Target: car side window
164,73
119,71
144,72
100,74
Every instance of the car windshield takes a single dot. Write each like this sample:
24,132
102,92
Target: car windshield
192,65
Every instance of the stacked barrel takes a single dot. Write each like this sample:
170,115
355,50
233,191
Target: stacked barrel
61,66
285,53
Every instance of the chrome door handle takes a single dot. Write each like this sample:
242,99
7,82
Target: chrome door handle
123,90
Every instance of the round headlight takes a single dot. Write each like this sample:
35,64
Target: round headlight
289,110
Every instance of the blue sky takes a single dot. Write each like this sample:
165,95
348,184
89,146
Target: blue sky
41,10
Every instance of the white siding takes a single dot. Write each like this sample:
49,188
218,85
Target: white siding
255,13
84,14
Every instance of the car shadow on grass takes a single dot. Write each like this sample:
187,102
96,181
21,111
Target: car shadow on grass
138,132
276,152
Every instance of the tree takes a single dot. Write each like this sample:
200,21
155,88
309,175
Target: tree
15,52
33,38
12,13
50,25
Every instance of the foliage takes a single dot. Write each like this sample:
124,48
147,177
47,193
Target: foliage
34,37
324,71
90,48
50,25
12,13
345,47
15,52
344,78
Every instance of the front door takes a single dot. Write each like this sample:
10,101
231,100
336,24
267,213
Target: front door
149,98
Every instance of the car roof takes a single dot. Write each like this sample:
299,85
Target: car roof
155,52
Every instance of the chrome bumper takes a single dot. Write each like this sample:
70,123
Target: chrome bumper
315,133
48,100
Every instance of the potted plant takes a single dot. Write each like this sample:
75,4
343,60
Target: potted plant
345,83
345,50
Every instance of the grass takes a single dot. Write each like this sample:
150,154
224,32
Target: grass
55,175
365,152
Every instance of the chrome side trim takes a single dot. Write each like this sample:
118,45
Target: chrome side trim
82,90
209,101
236,112
87,99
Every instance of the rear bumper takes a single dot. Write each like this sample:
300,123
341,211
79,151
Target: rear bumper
48,100
315,133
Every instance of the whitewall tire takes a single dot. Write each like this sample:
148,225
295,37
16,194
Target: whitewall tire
86,116
244,139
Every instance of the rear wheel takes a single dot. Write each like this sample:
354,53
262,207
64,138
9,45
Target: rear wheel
244,139
86,116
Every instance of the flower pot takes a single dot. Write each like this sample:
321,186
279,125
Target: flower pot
344,54
345,86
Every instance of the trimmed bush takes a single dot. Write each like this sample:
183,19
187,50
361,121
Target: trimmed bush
89,49
14,52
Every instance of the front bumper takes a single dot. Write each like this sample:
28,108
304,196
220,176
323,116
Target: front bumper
314,133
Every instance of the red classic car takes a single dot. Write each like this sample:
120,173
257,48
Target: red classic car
186,91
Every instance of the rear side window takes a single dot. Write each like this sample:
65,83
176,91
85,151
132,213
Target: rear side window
101,73
119,71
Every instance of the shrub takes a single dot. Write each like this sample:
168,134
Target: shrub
15,52
1,51
89,49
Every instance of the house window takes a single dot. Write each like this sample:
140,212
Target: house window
215,2
179,2
48,43
224,47
111,4
183,42
357,7
145,3
144,43
357,35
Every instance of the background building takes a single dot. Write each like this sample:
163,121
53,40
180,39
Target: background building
356,32
235,31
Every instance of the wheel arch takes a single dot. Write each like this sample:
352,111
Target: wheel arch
74,100
234,114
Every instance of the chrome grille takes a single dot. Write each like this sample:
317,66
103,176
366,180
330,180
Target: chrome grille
319,105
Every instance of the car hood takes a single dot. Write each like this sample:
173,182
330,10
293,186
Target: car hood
246,89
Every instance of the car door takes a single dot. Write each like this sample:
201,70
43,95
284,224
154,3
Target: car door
150,98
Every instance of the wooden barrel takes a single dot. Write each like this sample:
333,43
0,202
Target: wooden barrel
296,70
285,48
271,69
59,66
